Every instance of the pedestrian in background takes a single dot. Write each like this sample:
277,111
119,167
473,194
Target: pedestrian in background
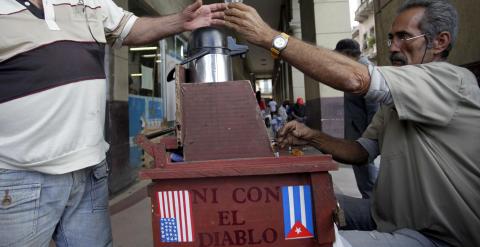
298,111
283,111
272,104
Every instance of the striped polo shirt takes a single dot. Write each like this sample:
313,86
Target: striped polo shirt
52,82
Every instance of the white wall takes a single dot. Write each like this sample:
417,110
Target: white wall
332,23
119,71
120,74
298,79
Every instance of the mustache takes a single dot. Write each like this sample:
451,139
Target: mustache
397,57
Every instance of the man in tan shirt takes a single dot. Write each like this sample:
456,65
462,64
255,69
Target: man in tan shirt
427,129
53,172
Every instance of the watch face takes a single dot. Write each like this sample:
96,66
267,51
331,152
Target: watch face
279,42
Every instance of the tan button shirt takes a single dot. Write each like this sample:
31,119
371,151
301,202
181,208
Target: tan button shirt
429,176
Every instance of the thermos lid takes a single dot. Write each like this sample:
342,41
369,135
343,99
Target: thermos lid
211,40
207,37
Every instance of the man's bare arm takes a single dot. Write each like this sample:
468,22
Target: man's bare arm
345,151
326,66
151,29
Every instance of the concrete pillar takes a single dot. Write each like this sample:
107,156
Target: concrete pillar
116,126
332,23
298,79
312,93
120,74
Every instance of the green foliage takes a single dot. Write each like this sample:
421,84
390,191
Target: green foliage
371,41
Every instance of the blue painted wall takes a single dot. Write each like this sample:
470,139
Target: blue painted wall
146,111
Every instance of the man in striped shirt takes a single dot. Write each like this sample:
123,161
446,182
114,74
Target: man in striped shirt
53,177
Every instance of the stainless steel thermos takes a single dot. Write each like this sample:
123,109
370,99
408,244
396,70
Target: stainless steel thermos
210,55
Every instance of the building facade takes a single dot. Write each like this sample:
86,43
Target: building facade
364,33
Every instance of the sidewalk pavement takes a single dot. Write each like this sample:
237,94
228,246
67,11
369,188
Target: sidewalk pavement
131,217
131,210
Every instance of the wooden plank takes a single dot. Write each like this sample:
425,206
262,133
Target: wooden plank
179,79
324,204
241,167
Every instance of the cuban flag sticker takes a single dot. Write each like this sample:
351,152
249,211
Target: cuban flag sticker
297,212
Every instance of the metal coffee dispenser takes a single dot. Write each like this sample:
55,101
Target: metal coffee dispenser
210,55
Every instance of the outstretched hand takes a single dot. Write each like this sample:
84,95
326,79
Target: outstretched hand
197,15
295,133
246,21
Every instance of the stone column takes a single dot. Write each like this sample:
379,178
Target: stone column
298,79
332,23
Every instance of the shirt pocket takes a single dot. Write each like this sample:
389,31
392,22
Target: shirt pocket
85,21
89,3
19,206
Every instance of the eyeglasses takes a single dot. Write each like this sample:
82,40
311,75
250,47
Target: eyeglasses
400,40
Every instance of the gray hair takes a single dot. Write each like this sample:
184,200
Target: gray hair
440,16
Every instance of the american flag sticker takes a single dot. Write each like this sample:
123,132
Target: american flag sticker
175,216
297,212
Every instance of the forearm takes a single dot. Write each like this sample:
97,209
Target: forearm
147,30
321,64
326,66
344,151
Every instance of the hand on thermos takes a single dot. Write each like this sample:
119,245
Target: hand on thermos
246,21
197,15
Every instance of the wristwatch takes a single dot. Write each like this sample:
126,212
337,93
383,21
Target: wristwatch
278,44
